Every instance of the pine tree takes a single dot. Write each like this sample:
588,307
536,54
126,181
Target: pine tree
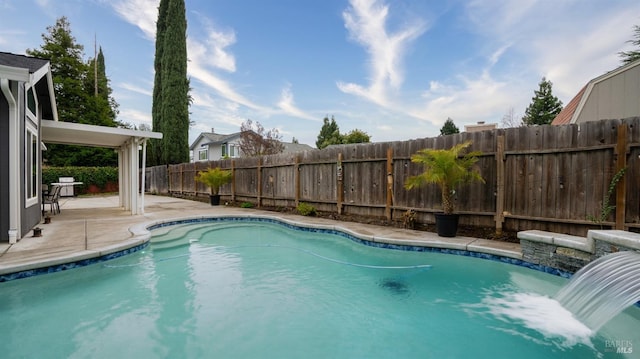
544,106
329,134
449,128
75,99
634,55
67,68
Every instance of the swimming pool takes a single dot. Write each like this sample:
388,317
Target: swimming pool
243,288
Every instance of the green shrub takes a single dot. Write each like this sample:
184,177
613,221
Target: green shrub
306,209
246,205
98,176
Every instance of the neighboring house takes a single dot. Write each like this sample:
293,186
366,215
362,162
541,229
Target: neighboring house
613,95
28,118
211,146
480,126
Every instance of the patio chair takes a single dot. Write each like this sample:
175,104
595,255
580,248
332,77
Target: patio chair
52,199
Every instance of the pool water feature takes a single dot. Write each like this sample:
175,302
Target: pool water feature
254,290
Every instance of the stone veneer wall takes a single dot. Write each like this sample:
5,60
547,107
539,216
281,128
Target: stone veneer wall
570,253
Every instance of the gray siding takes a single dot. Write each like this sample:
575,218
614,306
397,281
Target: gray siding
31,216
615,97
4,165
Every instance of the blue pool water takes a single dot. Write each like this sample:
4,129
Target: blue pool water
260,290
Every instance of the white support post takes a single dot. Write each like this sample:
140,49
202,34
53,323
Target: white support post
120,177
126,196
133,174
14,168
144,174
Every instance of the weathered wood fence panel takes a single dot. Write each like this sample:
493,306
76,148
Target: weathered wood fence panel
545,177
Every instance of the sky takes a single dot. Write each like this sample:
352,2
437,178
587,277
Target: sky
395,69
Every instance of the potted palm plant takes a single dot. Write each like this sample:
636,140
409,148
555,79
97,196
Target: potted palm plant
214,178
448,169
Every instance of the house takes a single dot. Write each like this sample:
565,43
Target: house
211,146
613,95
28,118
480,126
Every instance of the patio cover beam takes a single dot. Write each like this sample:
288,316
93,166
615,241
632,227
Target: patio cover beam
126,142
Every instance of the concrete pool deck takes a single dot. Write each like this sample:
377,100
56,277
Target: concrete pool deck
91,227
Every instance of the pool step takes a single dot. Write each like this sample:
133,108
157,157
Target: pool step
184,235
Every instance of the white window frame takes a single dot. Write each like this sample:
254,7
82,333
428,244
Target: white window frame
32,165
31,151
205,151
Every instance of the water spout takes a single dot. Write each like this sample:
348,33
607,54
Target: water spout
603,288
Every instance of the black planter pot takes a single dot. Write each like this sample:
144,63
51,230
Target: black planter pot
215,199
446,224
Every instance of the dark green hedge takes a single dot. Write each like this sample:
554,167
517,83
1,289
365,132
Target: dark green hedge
98,176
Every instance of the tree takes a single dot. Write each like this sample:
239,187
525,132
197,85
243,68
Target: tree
329,134
356,136
174,108
510,119
544,106
154,156
67,68
74,84
449,128
256,141
633,55
103,108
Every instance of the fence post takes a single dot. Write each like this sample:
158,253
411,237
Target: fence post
499,216
296,174
621,162
233,181
259,184
339,184
387,210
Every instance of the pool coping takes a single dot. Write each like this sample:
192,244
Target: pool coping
465,246
141,235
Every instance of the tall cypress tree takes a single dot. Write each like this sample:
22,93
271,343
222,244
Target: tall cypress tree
171,88
175,86
104,108
155,146
544,106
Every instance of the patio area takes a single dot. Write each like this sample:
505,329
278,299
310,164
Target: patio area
90,227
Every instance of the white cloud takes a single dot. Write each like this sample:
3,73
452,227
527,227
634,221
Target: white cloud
141,13
287,105
135,88
134,116
366,21
569,42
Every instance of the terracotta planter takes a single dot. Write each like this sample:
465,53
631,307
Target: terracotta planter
447,224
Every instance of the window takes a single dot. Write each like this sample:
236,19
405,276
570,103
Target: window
224,150
31,164
31,101
232,151
203,154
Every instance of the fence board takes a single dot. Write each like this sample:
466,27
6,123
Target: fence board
554,177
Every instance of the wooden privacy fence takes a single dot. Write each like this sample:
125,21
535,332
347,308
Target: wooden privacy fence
545,177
